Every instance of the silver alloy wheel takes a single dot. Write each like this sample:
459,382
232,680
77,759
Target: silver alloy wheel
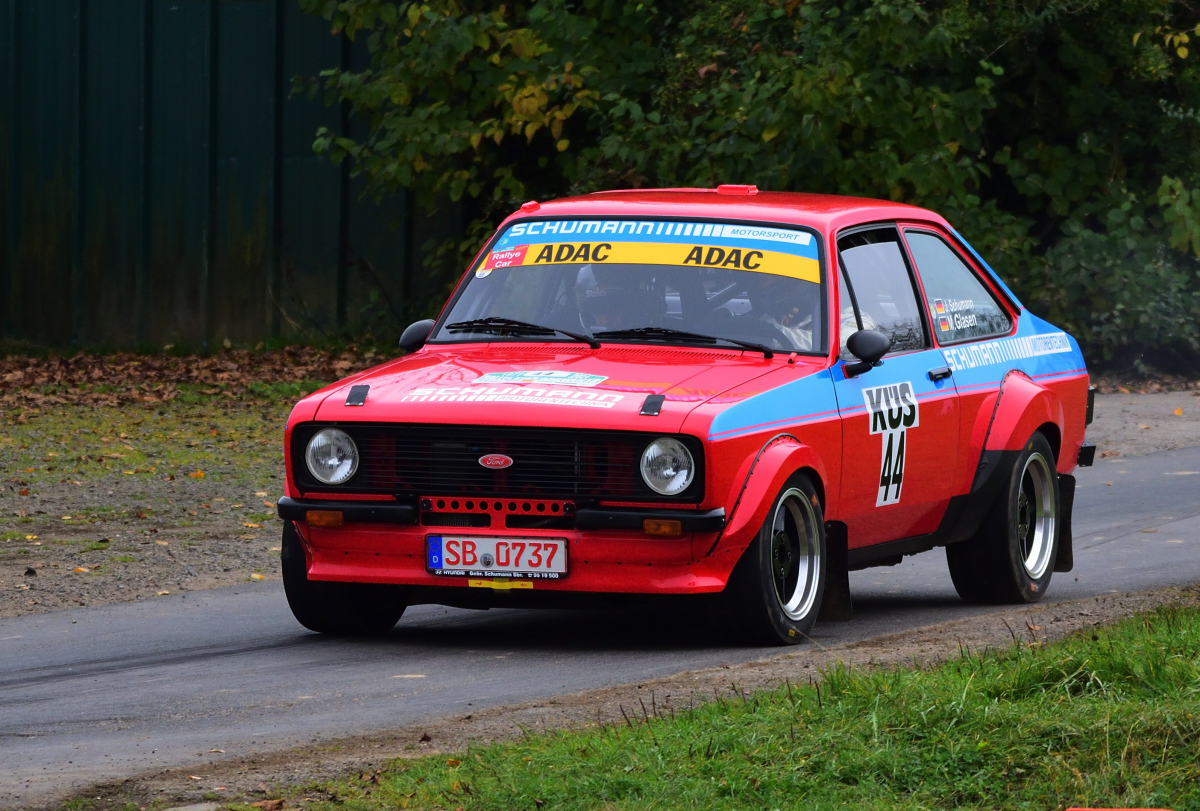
1036,515
795,554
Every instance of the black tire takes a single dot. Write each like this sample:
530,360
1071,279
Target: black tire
774,594
339,609
1011,558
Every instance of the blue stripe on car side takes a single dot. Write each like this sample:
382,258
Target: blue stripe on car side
809,399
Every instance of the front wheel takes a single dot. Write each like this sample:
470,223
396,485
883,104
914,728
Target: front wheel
340,609
775,591
1011,558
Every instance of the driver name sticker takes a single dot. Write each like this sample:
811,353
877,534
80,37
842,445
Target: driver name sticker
893,409
546,377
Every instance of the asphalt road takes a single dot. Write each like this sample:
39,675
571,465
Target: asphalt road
99,693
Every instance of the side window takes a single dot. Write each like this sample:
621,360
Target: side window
960,307
881,288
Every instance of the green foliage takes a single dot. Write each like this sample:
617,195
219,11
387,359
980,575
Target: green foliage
1061,137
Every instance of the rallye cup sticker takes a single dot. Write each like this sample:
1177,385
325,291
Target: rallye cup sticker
893,410
779,251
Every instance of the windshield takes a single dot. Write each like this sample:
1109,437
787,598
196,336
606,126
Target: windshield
733,282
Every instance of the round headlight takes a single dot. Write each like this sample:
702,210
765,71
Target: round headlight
332,456
667,466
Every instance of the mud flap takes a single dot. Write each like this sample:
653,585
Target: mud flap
836,605
1065,561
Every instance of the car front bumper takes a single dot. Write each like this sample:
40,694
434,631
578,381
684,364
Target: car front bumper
607,551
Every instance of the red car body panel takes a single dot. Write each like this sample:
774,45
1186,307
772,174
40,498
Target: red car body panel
761,421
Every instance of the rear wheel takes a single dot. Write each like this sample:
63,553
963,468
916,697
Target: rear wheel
1011,558
341,609
774,593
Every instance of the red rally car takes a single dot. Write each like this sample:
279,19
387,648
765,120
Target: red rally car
720,392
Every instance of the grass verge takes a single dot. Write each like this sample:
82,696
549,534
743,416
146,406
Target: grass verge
1103,719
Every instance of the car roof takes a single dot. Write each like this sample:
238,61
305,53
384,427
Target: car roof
824,212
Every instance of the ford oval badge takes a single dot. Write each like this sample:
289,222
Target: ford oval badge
496,461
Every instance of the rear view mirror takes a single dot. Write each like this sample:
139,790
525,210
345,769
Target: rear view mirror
415,335
868,345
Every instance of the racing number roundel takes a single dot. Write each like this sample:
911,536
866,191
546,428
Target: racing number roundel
893,410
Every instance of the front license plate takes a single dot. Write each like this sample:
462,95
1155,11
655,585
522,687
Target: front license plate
532,558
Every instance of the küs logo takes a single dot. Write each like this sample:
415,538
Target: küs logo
496,461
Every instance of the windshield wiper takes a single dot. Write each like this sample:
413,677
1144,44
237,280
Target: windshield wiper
663,332
501,325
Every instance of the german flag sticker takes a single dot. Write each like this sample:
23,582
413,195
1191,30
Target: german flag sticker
939,306
943,323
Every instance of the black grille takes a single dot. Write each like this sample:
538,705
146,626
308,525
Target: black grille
424,460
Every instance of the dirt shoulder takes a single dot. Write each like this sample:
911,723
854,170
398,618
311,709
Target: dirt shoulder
105,503
295,772
1136,424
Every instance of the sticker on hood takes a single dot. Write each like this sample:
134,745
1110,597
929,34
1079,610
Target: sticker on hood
512,394
546,378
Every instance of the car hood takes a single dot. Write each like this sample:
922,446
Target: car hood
559,386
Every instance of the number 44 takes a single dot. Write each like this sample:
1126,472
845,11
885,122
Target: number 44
891,469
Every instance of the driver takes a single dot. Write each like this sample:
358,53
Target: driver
609,299
789,312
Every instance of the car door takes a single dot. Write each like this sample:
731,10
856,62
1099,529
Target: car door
963,311
900,420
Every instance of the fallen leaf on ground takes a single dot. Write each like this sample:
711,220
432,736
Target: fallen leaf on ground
256,576
199,474
1179,412
262,493
452,762
24,491
193,777
163,543
162,593
82,569
218,751
268,503
268,805
1109,454
1144,427
251,524
31,537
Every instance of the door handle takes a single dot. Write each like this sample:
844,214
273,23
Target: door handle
940,373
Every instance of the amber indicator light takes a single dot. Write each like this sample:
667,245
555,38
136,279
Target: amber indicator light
666,529
327,519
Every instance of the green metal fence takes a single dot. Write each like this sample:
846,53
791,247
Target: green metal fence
158,183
